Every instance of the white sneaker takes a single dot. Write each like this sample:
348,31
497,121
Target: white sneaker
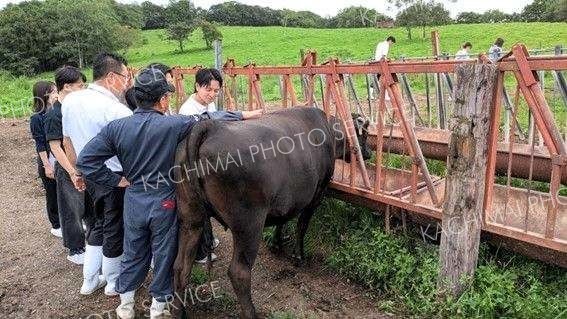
216,242
126,308
88,287
204,260
76,258
158,311
57,232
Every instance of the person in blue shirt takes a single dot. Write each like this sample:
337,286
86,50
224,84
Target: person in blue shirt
496,52
145,144
44,96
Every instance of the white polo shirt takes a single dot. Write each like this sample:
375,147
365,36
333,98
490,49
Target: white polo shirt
382,50
86,112
192,107
463,54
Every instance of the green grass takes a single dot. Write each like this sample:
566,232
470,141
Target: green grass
401,270
281,46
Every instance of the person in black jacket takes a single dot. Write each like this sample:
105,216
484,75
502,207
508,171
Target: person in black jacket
44,95
73,207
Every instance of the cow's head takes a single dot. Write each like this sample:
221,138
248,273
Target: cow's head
342,147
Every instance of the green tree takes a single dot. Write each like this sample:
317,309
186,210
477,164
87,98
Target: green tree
561,11
180,32
181,11
494,16
41,36
75,38
301,19
130,15
24,38
358,17
541,10
234,13
154,16
469,17
210,32
423,14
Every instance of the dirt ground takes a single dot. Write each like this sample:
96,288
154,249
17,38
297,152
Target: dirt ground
37,281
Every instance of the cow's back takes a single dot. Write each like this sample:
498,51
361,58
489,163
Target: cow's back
281,162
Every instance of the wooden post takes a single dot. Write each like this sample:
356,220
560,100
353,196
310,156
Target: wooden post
468,147
217,44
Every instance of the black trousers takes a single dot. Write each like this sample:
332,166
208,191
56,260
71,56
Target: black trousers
72,207
50,187
105,227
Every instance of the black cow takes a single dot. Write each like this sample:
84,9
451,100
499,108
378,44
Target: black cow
252,174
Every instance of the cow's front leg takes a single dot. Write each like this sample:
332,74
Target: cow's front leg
246,242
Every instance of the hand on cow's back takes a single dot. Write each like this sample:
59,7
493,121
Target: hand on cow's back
249,115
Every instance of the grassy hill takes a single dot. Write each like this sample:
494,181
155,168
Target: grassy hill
278,45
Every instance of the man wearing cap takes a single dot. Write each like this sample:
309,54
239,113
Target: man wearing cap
146,144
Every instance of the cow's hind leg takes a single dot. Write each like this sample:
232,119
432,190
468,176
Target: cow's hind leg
188,242
192,216
246,242
302,224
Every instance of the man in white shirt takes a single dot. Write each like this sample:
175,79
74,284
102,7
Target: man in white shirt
383,48
85,113
208,83
464,53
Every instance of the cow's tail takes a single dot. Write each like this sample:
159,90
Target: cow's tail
194,141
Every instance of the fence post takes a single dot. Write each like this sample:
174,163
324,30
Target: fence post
217,44
468,145
438,84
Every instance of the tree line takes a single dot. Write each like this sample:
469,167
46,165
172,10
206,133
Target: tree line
233,13
38,36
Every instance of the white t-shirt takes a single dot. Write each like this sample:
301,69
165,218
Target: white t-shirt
192,107
463,54
86,112
382,50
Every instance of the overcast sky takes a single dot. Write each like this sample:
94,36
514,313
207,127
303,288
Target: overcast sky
330,7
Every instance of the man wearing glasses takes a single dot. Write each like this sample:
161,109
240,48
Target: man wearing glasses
85,113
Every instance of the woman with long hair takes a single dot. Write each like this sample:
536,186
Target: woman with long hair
44,95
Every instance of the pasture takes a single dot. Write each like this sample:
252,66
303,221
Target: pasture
390,275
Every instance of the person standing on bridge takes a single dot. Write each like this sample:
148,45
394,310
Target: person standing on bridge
382,51
464,52
71,202
146,143
85,113
383,48
495,51
44,96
